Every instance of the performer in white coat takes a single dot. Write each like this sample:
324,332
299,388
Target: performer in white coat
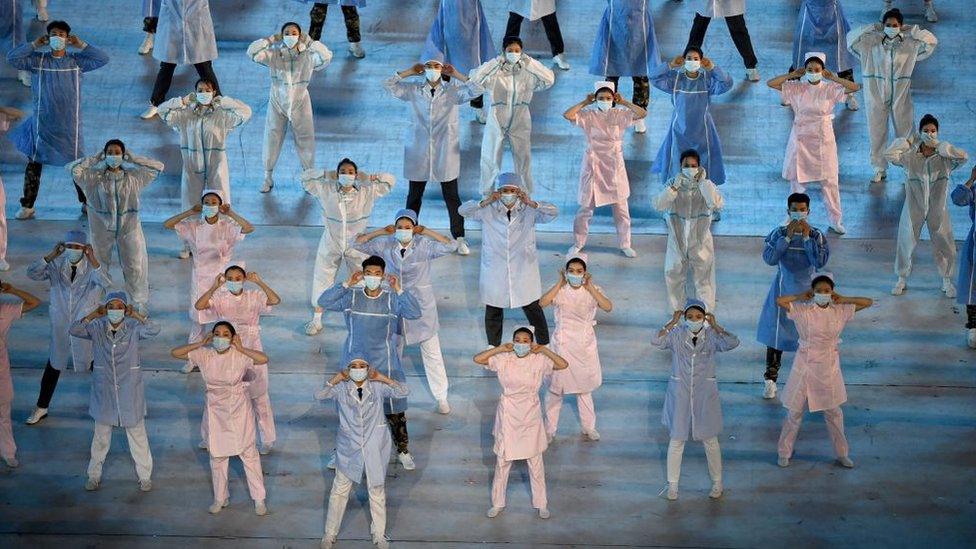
533,10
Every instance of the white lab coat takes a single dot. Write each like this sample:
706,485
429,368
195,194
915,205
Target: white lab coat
688,214
431,150
509,88
509,259
722,8
185,33
532,9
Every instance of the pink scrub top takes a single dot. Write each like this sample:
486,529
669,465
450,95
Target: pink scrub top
518,431
243,311
811,153
575,340
230,417
212,247
603,176
816,380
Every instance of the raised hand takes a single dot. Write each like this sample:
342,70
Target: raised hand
677,316
58,249
100,311
394,282
619,98
372,374
219,280
207,340
253,276
236,343
707,63
355,278
5,287
536,348
74,41
89,253
389,229
418,229
678,61
42,40
808,295
417,68
197,208
448,70
507,346
587,278
224,209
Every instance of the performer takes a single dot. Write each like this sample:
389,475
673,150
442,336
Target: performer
822,26
7,115
14,303
534,10
734,13
963,195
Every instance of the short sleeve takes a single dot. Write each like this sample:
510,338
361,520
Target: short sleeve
494,363
184,229
200,356
795,311
847,311
837,92
791,90
547,365
584,119
11,309
623,118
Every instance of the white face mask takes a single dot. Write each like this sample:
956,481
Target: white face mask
403,235
73,255
113,160
372,282
692,66
509,198
813,77
57,43
115,315
798,216
521,349
432,75
347,179
513,57
220,344
822,299
358,374
892,32
694,325
209,211
205,98
689,172
290,40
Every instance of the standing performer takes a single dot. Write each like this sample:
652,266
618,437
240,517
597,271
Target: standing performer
691,407
150,21
78,283
509,80
603,176
291,58
519,434
12,33
347,197
963,195
13,305
409,249
627,46
822,26
363,443
509,275
52,134
815,381
7,115
734,13
113,193
928,164
226,365
798,250
535,10
576,298
211,238
930,14
811,153
349,13
374,316
888,52
117,396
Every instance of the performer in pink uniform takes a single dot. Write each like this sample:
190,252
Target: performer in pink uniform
210,231
13,304
519,434
228,300
7,115
815,380
576,299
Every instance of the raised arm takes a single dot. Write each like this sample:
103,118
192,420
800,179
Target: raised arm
666,197
895,153
483,357
339,296
857,42
321,54
661,340
956,156
777,82
817,249
860,303
173,221
182,352
260,50
785,301
544,77
30,300
550,295
85,170
395,85
558,362
926,42
234,112
22,57
144,169
257,356
571,112
203,303
175,112
246,227
602,301
273,297
87,57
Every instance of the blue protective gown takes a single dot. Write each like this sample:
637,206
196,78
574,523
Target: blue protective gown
52,133
821,26
11,25
692,126
460,34
966,284
373,328
796,261
626,44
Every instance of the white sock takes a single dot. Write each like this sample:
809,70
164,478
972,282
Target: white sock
317,317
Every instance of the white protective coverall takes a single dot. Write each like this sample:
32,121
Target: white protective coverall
887,65
509,88
291,71
688,214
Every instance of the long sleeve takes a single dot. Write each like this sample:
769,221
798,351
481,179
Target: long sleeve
148,330
79,328
468,91
545,212
235,112
173,112
961,196
311,179
713,198
259,51
327,392
370,247
719,81
406,306
926,42
472,210
83,172
90,58
322,55
22,57
817,250
397,390
544,77
956,156
665,199
663,341
145,170
663,77
897,150
856,42
724,342
38,270
381,186
483,74
396,87
336,298
775,246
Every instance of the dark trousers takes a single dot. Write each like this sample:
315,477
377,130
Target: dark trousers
149,24
970,316
318,14
774,358
549,22
398,428
452,200
495,317
642,89
49,382
32,184
164,78
738,30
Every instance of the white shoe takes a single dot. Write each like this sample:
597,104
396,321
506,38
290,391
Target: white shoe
145,485
4,266
560,61
406,460
783,461
328,542
266,449
845,462
672,491
11,462
184,252
216,506
838,228
42,15
92,484
971,338
716,491
899,287
481,115
493,512
462,246
313,327
573,250
147,43
37,415
640,126
443,407
852,104
149,113
930,14
381,542
770,390
356,49
593,435
268,183
879,176
331,463
628,252
544,513
260,509
24,77
203,445
25,213
752,75
948,288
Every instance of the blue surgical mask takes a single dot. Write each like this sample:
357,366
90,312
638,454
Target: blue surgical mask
823,299
290,40
372,282
205,98
892,32
220,344
798,216
209,211
403,235
513,57
358,374
73,255
694,325
813,77
113,160
432,75
347,179
234,286
574,280
115,315
690,172
57,43
521,349
692,65
509,198
604,105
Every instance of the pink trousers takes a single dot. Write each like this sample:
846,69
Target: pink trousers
3,222
584,401
830,191
621,218
791,427
537,480
252,470
8,448
262,412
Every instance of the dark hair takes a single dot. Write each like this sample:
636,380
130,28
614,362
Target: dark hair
576,260
822,278
690,153
235,268
526,330
604,88
204,195
699,307
121,144
695,49
291,24
233,332
894,12
814,59
928,119
374,260
206,80
509,40
58,25
347,161
798,198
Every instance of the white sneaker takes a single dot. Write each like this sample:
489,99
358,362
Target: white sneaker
145,485
716,491
37,415
188,367
672,491
260,509
42,15
838,228
560,61
544,513
948,288
930,14
328,542
443,407
381,542
769,391
593,435
899,287
331,463
573,250
147,43
24,77
783,461
11,462
640,126
845,462
4,266
356,49
265,449
493,512
628,252
852,104
313,327
879,176
971,338
25,213
216,506
406,460
268,183
481,115
752,75
92,484
149,113
462,246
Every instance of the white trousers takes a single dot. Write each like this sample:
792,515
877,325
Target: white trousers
138,447
621,219
338,498
430,354
252,471
713,454
935,215
537,481
493,149
327,262
830,192
302,131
